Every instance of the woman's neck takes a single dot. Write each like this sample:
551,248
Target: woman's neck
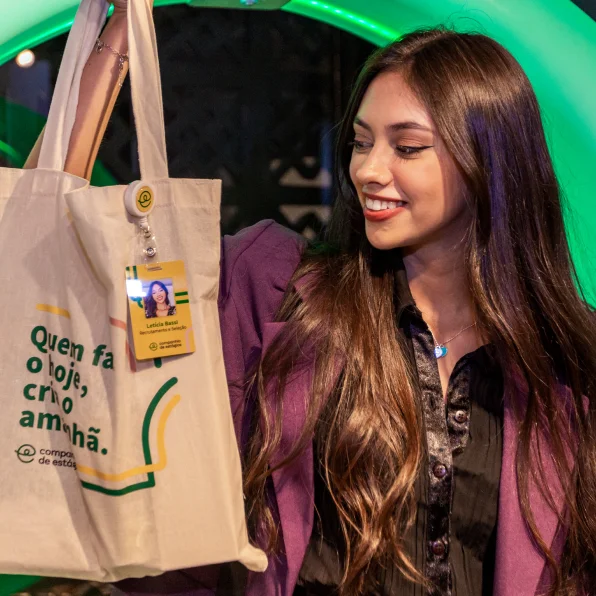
439,286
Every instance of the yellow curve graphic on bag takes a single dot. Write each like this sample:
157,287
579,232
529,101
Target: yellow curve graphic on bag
55,310
161,451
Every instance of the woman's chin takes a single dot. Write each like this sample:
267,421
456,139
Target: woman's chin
384,240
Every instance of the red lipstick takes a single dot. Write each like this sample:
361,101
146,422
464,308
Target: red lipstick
383,214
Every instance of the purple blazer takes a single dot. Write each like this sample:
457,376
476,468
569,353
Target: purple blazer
256,266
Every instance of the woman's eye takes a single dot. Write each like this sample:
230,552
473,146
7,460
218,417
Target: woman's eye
409,151
359,146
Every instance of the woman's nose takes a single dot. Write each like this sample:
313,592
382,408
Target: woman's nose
374,170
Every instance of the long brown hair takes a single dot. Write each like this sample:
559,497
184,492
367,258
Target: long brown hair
525,292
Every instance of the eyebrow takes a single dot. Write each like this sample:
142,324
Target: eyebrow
406,125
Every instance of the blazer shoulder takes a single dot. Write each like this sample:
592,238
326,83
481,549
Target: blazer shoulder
262,258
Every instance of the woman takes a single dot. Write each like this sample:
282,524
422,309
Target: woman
157,301
426,384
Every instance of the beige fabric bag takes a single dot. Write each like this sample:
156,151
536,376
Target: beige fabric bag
157,484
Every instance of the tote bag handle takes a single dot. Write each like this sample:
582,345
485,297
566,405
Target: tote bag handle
145,86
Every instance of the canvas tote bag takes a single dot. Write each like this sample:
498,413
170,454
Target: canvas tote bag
110,467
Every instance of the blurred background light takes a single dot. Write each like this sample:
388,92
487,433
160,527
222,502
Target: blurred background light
25,59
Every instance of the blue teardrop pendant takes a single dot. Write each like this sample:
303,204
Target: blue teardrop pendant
440,352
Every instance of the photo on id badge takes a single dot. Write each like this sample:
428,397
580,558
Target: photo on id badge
159,298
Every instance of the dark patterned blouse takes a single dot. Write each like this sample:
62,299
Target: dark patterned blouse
454,535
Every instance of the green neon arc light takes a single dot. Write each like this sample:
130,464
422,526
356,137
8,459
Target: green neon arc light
349,20
10,152
38,34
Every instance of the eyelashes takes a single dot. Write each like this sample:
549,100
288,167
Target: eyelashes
401,150
408,151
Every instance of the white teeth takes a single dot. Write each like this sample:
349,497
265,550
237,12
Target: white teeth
377,205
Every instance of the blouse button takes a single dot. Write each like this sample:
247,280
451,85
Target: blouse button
461,416
440,471
438,548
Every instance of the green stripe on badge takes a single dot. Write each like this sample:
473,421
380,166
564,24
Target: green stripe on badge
180,293
182,301
134,272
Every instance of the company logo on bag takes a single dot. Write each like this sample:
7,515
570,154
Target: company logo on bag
144,199
26,453
49,457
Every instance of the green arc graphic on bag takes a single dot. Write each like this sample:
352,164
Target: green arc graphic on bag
149,468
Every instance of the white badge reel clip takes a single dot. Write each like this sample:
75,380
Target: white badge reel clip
139,200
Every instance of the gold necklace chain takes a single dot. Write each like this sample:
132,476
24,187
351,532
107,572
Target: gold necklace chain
456,335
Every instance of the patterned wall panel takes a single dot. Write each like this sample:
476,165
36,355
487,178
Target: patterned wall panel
252,99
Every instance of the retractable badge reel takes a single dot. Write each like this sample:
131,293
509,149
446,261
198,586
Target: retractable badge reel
139,200
158,293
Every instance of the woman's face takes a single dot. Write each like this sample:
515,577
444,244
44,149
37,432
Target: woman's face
158,294
408,184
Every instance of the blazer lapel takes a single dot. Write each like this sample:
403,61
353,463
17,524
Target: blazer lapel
519,563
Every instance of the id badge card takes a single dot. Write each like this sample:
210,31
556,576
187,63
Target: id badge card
159,310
